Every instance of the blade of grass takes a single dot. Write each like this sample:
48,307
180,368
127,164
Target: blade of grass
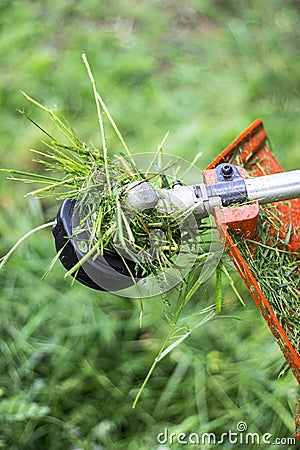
100,119
21,240
218,289
231,283
60,124
29,174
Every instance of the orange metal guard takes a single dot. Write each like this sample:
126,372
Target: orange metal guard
250,150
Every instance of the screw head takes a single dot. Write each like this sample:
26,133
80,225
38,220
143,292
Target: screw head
176,183
227,170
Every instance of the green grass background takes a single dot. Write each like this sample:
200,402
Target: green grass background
72,360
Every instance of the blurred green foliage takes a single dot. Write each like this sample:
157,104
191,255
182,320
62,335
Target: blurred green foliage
71,359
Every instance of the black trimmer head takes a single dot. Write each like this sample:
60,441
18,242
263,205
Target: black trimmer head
110,272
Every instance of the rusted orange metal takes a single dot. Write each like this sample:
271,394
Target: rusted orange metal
250,151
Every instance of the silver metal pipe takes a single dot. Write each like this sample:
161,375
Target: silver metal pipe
265,189
274,188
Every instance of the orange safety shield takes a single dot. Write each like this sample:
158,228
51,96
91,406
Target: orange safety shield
251,150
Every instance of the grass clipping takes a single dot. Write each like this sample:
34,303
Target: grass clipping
277,271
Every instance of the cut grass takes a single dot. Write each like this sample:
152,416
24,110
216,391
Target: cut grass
277,271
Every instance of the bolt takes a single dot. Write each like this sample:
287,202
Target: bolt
176,183
227,171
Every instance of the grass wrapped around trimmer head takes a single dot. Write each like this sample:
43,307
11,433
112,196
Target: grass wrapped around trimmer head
100,184
82,172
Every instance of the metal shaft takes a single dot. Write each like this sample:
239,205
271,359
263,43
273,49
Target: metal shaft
273,188
202,198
